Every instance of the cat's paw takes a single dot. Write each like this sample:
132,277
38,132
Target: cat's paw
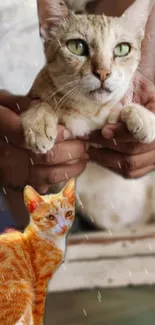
140,122
40,133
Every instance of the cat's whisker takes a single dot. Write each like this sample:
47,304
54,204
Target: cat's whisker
60,89
61,100
66,76
75,92
66,98
71,96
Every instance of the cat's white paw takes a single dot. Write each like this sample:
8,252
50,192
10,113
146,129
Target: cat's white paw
140,122
40,133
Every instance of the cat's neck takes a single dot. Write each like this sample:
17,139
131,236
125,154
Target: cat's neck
56,242
45,255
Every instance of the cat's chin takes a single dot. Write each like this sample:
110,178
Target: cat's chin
101,95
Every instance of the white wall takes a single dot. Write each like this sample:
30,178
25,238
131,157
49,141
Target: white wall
21,53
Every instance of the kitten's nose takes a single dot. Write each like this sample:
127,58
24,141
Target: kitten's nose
102,74
64,228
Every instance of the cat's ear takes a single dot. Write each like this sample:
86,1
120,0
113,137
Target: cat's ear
136,16
51,13
69,191
32,199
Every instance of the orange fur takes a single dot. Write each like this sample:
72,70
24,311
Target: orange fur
29,259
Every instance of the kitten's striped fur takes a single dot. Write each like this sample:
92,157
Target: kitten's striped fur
29,259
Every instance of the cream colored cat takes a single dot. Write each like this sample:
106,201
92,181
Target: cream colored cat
91,61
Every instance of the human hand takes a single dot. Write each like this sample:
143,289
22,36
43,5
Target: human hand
121,153
19,167
67,159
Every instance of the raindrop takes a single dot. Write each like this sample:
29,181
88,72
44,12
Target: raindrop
114,140
84,311
18,106
6,139
130,273
66,176
119,165
4,190
64,266
69,154
31,160
150,247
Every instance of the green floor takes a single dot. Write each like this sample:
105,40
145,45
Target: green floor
131,306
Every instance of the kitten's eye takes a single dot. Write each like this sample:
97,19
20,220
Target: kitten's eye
68,214
78,47
50,217
122,49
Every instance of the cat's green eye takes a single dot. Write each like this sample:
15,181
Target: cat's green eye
122,49
50,217
68,214
78,47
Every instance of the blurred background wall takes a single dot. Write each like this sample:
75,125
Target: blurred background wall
21,53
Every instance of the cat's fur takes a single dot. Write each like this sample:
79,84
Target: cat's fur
68,91
29,259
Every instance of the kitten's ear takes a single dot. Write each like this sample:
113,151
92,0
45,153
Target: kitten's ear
32,199
69,191
136,16
51,14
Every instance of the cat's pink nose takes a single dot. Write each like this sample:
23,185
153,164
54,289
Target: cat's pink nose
102,74
63,229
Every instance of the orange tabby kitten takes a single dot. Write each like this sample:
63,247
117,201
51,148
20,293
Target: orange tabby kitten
29,259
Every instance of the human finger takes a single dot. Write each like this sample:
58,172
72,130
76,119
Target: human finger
111,159
118,131
56,174
62,153
133,174
120,146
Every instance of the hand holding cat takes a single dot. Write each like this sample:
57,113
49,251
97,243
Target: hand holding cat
68,158
121,152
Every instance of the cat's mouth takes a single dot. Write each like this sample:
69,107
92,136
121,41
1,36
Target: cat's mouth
101,91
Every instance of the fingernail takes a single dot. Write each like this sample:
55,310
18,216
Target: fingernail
108,134
66,134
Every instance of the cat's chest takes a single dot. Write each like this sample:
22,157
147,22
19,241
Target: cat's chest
60,243
81,125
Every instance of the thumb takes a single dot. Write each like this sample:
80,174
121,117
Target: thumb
114,115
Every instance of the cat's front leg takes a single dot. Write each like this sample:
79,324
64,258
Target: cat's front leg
40,127
140,122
